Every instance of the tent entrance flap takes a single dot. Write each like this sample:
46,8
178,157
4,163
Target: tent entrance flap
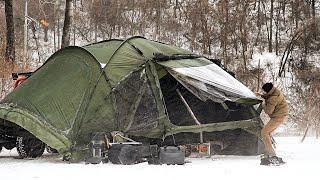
207,80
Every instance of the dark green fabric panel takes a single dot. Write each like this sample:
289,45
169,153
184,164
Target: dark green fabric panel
183,63
164,122
122,57
55,92
104,50
99,115
149,47
128,58
125,60
103,44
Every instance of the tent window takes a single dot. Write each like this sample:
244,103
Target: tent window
146,116
136,106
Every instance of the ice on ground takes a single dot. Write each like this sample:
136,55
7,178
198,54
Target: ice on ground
302,163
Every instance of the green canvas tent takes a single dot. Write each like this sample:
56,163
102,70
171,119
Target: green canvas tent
135,86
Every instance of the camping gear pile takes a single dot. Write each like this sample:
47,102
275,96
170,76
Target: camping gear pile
153,93
122,150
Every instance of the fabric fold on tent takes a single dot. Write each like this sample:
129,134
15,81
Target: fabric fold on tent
207,80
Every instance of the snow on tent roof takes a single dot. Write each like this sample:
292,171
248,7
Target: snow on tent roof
72,96
208,79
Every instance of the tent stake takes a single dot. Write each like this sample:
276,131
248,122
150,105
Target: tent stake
191,113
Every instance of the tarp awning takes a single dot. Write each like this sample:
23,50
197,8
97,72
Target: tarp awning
207,80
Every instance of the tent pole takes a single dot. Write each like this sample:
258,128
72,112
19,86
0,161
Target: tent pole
191,113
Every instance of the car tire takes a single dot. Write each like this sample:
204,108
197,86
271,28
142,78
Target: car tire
29,147
9,146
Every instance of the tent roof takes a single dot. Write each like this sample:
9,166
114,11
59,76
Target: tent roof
104,50
121,57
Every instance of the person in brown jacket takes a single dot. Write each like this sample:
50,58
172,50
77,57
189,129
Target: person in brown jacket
276,107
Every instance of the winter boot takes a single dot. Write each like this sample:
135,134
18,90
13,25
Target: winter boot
276,161
280,160
271,160
265,160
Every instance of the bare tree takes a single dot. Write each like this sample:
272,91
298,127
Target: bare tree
66,32
314,18
10,48
270,26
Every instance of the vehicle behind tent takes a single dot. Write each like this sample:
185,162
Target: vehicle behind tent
151,92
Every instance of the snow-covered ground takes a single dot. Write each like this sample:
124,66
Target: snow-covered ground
302,159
